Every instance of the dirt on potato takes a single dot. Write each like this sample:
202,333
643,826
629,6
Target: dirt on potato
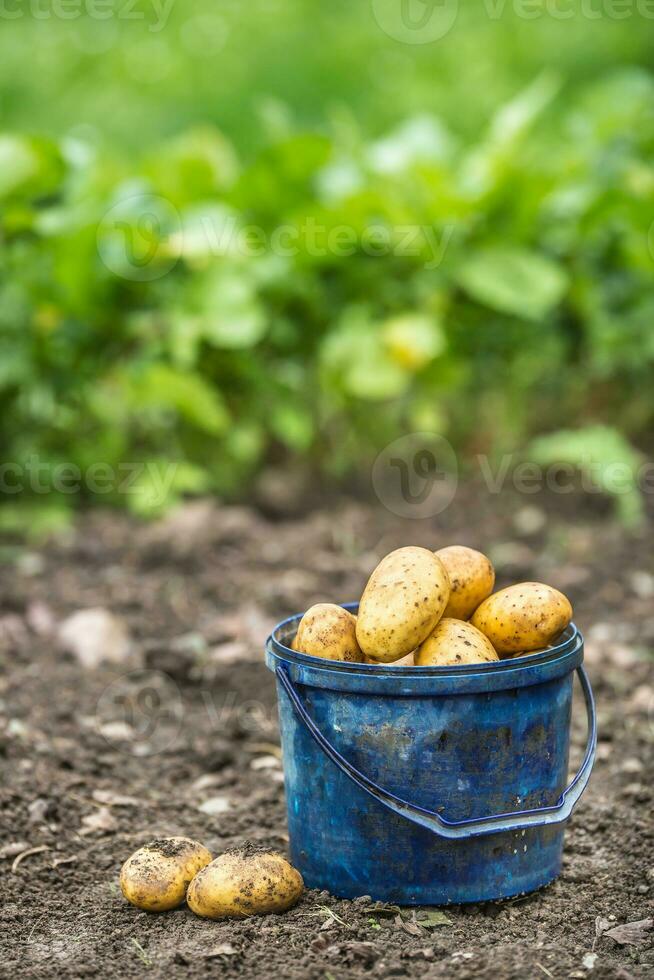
180,738
168,848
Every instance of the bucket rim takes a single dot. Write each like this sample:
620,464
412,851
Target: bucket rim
567,646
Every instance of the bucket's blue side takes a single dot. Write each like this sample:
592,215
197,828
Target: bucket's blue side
464,742
472,755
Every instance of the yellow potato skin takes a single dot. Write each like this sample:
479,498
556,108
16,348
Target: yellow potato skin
523,618
242,883
403,601
155,878
407,661
472,579
328,631
454,642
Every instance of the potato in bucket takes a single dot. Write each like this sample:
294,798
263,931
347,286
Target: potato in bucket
472,579
329,631
455,642
523,617
404,599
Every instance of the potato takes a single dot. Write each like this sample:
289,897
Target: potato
455,642
328,631
155,877
523,617
404,599
407,661
245,881
472,579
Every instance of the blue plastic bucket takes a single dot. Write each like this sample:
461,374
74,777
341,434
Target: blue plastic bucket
429,785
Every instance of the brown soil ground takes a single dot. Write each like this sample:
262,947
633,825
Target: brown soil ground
89,775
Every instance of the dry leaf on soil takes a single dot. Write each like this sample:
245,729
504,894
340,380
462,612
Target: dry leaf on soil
631,933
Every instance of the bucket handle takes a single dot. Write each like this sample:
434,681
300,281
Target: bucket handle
460,829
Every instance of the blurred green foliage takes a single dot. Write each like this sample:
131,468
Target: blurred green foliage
318,240
609,464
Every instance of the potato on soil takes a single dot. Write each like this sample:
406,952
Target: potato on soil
523,618
472,579
328,631
455,642
245,881
404,599
155,877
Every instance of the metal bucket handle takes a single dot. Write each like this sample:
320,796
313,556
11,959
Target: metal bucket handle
460,829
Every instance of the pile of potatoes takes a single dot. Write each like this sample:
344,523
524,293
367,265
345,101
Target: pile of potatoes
436,608
243,881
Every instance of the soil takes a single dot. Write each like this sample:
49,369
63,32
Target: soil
181,738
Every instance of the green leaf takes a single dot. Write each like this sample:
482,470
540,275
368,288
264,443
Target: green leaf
36,520
413,340
494,159
515,117
359,365
244,442
18,163
194,166
232,318
421,139
513,281
185,392
281,177
293,425
430,918
159,484
29,166
355,360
